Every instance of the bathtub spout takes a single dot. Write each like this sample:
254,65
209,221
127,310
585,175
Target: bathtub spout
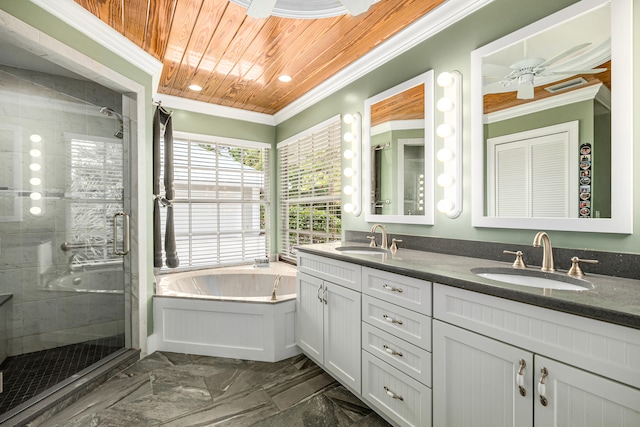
275,288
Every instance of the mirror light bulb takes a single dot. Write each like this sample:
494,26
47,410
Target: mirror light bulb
348,172
444,155
444,130
35,138
348,118
348,190
445,105
35,210
445,206
35,167
34,152
444,79
445,180
35,196
35,181
349,137
348,207
348,154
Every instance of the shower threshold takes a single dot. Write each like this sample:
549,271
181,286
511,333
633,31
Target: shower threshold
53,399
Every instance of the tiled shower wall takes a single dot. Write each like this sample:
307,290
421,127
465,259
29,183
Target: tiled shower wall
30,255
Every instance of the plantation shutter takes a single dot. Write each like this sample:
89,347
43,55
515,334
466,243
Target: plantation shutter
221,201
310,187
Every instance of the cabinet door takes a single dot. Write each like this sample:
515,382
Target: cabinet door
342,335
576,398
475,380
309,316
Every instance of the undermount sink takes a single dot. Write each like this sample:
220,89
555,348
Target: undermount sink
362,250
533,278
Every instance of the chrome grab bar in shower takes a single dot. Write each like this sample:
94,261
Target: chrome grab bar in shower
125,234
70,246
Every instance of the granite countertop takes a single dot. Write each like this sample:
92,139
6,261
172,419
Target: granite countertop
611,299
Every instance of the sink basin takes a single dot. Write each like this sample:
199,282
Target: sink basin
361,250
533,278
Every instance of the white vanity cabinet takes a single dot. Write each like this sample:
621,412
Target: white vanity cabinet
573,371
396,346
328,304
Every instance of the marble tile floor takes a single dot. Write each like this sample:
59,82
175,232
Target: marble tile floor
171,389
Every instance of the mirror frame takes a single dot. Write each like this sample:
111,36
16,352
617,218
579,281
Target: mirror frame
621,220
425,79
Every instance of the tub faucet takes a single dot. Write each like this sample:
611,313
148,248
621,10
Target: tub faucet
542,239
275,287
383,243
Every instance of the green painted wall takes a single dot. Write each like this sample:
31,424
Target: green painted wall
450,50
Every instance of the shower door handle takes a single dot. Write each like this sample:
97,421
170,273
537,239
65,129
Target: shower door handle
125,234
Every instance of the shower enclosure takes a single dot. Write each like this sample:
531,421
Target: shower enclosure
64,149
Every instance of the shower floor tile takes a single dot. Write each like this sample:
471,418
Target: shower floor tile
29,374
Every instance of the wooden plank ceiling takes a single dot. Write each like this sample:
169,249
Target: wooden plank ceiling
237,59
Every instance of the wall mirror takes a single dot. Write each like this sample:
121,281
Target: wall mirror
398,153
552,124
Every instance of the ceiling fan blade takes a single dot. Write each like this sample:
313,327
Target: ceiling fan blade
572,72
562,55
498,87
356,7
261,8
525,91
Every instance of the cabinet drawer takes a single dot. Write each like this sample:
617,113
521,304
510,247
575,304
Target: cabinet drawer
332,270
398,353
405,324
414,294
401,398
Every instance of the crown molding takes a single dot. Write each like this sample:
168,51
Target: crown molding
433,22
91,26
170,101
430,24
558,100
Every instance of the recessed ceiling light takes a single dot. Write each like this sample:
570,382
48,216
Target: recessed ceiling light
284,78
195,87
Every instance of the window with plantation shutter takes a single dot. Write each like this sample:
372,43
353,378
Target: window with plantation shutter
310,187
221,200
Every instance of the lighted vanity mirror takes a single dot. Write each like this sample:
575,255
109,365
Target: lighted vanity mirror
398,153
551,139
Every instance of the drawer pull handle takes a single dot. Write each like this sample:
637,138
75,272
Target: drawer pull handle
392,394
391,351
542,388
391,319
520,378
392,289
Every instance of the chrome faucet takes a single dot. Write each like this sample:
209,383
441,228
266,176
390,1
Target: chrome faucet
542,239
383,244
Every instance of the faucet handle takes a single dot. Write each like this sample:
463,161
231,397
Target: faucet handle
394,247
575,269
373,241
519,262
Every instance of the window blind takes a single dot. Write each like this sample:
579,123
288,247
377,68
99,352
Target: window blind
310,187
221,203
